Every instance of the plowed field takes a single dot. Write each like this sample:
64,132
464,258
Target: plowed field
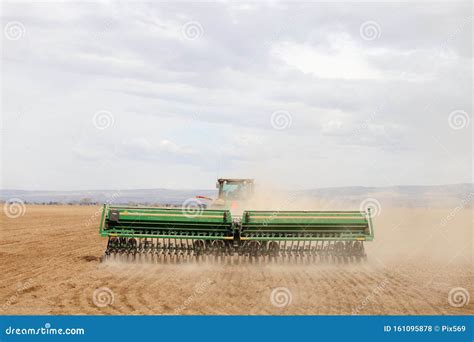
50,264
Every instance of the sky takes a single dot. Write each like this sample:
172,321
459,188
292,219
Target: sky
130,95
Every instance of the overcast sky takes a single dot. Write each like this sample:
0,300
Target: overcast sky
105,95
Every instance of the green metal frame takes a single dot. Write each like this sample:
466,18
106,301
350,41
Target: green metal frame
166,223
149,222
306,226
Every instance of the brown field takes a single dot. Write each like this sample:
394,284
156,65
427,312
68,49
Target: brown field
50,264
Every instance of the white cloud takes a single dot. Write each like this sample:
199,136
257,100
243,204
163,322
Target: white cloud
189,109
344,60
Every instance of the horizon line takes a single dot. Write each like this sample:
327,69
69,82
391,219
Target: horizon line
209,189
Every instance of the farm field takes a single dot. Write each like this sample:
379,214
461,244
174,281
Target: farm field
51,264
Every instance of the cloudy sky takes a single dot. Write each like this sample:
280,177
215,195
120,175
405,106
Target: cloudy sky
104,95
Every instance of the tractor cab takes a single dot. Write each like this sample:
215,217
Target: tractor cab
233,191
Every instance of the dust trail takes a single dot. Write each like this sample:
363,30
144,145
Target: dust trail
438,233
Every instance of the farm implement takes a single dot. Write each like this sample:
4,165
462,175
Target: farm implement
179,233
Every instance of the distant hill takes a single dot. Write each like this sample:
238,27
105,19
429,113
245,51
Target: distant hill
405,195
145,196
411,196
